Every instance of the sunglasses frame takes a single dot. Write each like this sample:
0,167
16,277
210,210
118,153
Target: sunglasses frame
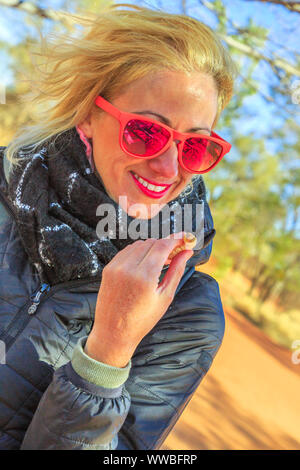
124,117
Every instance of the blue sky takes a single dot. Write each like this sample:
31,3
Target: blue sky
283,30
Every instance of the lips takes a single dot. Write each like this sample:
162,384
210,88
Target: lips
147,191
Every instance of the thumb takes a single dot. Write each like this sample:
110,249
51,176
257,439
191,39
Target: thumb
175,272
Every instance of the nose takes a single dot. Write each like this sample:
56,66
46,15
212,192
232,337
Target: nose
166,164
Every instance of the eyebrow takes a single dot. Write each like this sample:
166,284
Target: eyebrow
168,122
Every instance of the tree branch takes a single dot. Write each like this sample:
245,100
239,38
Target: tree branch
250,51
280,63
31,8
292,6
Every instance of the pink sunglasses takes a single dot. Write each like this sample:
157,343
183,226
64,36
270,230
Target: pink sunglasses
142,137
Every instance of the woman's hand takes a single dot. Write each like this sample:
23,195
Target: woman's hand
130,301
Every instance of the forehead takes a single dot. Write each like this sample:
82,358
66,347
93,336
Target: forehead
175,95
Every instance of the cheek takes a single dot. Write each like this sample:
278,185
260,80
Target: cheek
111,164
185,177
105,152
105,138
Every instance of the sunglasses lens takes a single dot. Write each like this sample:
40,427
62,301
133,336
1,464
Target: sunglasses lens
143,138
200,154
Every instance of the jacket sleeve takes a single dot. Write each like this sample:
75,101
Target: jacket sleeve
87,405
83,408
171,361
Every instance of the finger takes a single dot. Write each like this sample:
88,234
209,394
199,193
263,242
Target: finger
140,250
175,272
134,252
156,256
187,242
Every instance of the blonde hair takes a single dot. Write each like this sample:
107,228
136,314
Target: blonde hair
122,44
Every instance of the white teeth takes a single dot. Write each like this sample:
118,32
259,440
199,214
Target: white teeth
149,186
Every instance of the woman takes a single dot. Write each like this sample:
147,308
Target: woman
106,337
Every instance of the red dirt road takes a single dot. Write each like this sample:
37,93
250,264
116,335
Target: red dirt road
248,400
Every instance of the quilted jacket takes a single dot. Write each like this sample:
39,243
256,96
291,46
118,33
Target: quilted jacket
53,396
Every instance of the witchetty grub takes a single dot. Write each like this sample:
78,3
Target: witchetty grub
188,242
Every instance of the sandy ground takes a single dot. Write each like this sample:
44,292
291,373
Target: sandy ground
248,400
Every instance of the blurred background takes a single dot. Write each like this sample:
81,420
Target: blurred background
250,397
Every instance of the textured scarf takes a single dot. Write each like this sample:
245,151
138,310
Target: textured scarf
55,193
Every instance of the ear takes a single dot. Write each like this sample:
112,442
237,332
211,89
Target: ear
86,126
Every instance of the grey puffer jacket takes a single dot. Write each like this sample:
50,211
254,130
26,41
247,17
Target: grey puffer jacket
53,396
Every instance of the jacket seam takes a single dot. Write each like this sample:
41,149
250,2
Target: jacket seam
42,379
219,338
11,323
9,435
204,371
9,303
193,287
62,352
66,413
152,393
33,391
186,365
14,254
10,233
163,427
67,341
24,378
23,403
7,405
207,276
187,395
131,431
88,392
59,437
190,330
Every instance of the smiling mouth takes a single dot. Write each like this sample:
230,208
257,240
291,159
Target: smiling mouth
148,188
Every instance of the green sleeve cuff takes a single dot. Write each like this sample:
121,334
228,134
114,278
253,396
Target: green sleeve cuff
97,372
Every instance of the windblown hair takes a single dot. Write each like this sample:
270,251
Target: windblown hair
107,53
